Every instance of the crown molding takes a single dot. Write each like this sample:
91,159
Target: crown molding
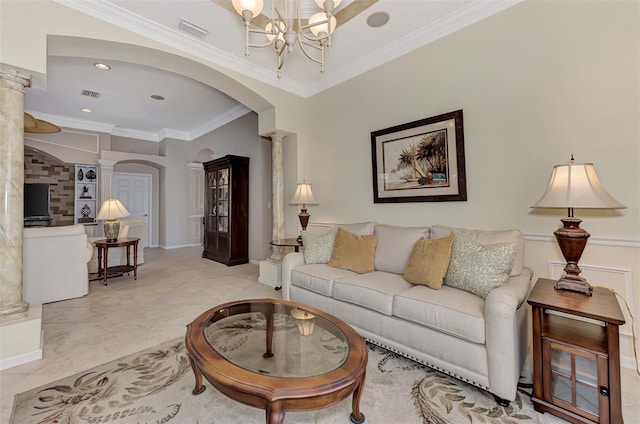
80,124
103,127
219,121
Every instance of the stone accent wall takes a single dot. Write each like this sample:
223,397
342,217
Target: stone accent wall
41,168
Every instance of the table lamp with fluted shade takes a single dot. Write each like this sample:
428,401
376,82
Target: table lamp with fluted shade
574,185
303,196
111,210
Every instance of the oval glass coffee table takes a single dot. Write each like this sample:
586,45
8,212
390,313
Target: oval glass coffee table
277,355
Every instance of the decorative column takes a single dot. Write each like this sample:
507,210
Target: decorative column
12,84
106,179
277,193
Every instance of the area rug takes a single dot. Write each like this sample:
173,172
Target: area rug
154,386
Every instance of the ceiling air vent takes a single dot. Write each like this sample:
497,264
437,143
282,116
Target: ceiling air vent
90,93
192,29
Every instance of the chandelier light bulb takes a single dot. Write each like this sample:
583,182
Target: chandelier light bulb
270,34
253,6
321,30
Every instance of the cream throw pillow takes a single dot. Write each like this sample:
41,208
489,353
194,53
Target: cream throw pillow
354,252
429,262
318,247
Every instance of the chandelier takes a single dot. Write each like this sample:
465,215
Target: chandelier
312,35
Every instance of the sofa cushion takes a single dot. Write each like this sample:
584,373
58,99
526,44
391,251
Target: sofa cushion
318,247
449,310
489,237
318,278
359,228
479,268
429,262
374,290
395,245
353,252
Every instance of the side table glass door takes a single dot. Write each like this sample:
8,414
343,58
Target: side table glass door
577,380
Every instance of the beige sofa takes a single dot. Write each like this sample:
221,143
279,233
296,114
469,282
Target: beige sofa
481,341
132,228
54,263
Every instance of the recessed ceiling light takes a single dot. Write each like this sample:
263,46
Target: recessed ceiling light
378,19
157,97
86,110
102,66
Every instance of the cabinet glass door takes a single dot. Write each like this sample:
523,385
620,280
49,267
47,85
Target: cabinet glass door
212,210
222,195
573,380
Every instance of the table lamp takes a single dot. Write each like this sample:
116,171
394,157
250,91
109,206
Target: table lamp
303,196
574,185
111,210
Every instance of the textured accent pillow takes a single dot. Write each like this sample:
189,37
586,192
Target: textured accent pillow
318,247
479,268
354,252
489,237
429,262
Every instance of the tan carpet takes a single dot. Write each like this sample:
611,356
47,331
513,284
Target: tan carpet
154,386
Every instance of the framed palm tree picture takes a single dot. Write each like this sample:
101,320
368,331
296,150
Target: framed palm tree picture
421,161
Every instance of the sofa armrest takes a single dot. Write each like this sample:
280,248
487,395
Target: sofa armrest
289,262
507,336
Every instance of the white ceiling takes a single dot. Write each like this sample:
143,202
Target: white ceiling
191,109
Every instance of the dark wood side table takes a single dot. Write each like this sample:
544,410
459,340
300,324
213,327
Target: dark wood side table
289,242
576,363
103,261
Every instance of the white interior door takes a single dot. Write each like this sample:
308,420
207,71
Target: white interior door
134,191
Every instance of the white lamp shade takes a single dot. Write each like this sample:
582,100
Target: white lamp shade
324,28
254,6
303,195
112,209
576,186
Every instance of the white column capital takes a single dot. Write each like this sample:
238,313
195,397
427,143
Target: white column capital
278,135
107,163
195,165
14,80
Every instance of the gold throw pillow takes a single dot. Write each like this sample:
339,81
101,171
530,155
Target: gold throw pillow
429,262
354,252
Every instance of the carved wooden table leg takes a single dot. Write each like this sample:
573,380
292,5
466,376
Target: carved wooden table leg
357,417
199,387
275,413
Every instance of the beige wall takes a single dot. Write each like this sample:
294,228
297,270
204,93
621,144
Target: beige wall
537,82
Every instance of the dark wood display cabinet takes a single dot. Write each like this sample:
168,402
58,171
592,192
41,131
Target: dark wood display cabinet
226,217
576,361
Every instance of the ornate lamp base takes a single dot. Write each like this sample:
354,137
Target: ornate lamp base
111,230
572,240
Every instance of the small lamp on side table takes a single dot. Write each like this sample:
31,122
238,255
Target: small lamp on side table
303,196
574,185
111,210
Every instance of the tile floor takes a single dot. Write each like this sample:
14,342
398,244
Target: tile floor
173,287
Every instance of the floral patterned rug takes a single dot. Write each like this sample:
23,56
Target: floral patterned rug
154,386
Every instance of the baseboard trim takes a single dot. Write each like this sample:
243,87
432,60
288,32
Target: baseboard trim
20,359
23,358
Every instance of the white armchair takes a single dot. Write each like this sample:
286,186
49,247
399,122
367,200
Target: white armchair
54,263
129,228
